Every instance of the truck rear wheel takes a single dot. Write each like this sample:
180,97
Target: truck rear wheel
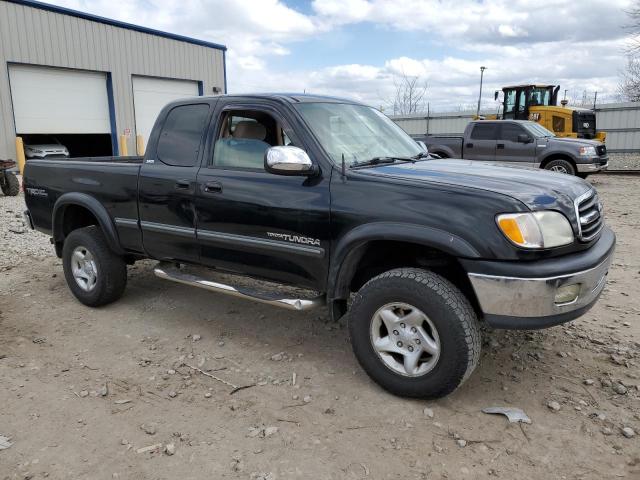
10,184
560,165
414,333
95,275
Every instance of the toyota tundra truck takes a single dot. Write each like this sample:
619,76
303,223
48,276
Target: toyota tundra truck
302,201
521,143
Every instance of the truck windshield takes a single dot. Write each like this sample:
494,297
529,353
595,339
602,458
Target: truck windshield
358,132
538,130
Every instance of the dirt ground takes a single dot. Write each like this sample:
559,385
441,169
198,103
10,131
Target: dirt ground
84,391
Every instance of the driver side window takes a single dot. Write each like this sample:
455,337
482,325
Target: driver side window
244,138
510,132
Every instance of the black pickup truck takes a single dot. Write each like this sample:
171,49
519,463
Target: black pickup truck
300,201
521,143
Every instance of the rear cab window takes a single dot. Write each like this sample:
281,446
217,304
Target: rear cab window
182,134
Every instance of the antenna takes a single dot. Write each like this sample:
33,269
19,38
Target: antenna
344,173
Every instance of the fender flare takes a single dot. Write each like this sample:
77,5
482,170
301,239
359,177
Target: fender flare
95,207
442,149
351,247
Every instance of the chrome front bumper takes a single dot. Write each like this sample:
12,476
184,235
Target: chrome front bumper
594,167
534,298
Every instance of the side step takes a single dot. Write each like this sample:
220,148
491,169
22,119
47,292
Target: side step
170,271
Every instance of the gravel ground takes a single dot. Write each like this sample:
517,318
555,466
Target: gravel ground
624,161
143,388
19,243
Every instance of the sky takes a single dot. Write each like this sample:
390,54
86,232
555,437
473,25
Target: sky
359,48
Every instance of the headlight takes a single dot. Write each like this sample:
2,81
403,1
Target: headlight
588,151
543,229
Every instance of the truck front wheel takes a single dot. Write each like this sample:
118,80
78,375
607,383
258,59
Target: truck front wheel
95,275
561,166
414,333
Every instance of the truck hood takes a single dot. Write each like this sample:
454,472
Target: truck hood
537,189
577,142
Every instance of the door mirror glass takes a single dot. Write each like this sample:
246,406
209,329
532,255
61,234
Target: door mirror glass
423,146
288,160
524,138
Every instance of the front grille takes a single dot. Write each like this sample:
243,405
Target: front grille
589,214
601,150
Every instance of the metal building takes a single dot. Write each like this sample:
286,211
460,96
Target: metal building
88,81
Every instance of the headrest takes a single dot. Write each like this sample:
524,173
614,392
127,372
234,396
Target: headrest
250,130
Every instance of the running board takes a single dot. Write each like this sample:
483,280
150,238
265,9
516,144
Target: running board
170,271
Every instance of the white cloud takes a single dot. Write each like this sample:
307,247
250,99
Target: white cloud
578,44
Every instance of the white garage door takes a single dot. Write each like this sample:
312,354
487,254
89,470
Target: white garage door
52,100
150,95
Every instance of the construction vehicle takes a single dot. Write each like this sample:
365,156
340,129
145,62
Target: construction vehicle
539,103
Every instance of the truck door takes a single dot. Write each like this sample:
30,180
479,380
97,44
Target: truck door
481,143
253,222
515,145
167,185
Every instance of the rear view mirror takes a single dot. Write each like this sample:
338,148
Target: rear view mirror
495,95
288,160
524,138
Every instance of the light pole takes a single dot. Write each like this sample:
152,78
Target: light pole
482,69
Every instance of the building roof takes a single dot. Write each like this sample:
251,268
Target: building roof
116,23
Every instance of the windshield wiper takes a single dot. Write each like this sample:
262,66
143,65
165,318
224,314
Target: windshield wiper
420,155
381,160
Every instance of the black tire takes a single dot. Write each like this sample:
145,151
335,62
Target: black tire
583,175
560,165
111,277
445,306
11,185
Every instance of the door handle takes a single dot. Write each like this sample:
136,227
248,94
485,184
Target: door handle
212,187
500,145
183,184
469,145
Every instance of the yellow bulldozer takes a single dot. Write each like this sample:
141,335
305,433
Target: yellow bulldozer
539,103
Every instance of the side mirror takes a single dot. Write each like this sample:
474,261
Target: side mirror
495,95
422,145
524,138
288,160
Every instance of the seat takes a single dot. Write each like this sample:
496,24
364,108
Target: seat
244,149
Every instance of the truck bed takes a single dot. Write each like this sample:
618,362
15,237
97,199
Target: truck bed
112,181
116,159
444,145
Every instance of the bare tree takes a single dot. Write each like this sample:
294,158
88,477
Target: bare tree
410,95
634,26
629,87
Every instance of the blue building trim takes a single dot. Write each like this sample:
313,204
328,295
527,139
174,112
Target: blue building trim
200,88
224,69
112,117
116,23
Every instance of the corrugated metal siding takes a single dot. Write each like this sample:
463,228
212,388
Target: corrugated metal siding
33,36
621,121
